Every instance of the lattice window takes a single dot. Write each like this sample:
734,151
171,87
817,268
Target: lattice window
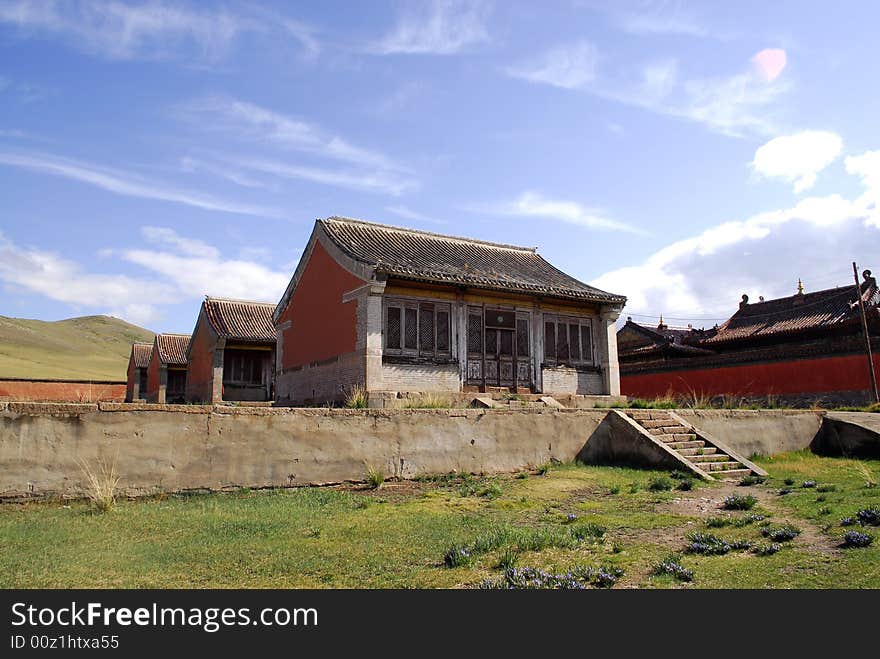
574,342
442,331
586,343
411,329
475,333
567,340
426,328
392,328
491,342
522,338
506,343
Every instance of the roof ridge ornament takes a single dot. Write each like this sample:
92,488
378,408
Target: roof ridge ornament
800,290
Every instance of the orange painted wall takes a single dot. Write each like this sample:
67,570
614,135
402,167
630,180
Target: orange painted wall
801,376
60,391
321,325
200,368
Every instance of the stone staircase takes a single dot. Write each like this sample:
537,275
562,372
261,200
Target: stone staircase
664,427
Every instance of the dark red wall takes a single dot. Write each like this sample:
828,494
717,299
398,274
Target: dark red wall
322,326
61,391
801,376
200,368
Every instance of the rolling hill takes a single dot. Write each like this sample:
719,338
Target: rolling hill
89,347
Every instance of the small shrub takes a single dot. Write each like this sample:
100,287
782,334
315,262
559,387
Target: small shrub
685,485
739,502
789,481
711,545
848,521
784,491
457,556
782,533
101,484
633,488
673,568
751,479
659,484
356,397
491,491
507,559
821,498
869,517
808,484
767,549
679,475
857,539
614,489
718,522
826,487
588,531
606,577
375,478
543,469
579,577
824,510
428,401
571,517
522,475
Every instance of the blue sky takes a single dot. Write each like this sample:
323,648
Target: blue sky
679,153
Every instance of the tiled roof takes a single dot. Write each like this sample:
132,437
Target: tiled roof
172,348
798,313
141,353
435,258
239,319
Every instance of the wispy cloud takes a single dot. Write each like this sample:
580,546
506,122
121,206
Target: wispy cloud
441,27
569,66
535,205
125,183
658,18
225,171
148,30
737,105
409,214
798,158
252,125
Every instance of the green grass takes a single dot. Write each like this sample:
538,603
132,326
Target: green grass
351,537
88,348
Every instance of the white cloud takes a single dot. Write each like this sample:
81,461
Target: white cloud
442,27
197,269
149,30
125,183
569,66
180,269
57,278
816,239
252,125
739,104
534,205
798,158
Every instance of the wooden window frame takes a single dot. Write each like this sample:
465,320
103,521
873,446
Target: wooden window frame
561,323
419,306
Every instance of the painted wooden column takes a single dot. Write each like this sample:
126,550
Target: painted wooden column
163,384
537,338
608,350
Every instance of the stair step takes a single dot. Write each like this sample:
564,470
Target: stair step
697,443
678,437
669,430
720,466
705,451
731,474
654,423
709,457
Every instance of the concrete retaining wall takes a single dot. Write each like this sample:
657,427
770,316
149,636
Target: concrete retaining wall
181,447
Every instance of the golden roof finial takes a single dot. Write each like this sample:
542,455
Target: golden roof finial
800,287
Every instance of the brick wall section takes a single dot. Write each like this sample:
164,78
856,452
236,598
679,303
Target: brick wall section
62,391
559,380
421,377
200,367
825,378
323,382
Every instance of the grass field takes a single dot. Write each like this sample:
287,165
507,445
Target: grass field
89,348
404,533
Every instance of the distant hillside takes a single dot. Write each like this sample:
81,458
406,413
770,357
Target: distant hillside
90,347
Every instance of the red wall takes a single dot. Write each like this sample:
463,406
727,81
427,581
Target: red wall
129,377
801,376
321,325
153,372
59,391
200,368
